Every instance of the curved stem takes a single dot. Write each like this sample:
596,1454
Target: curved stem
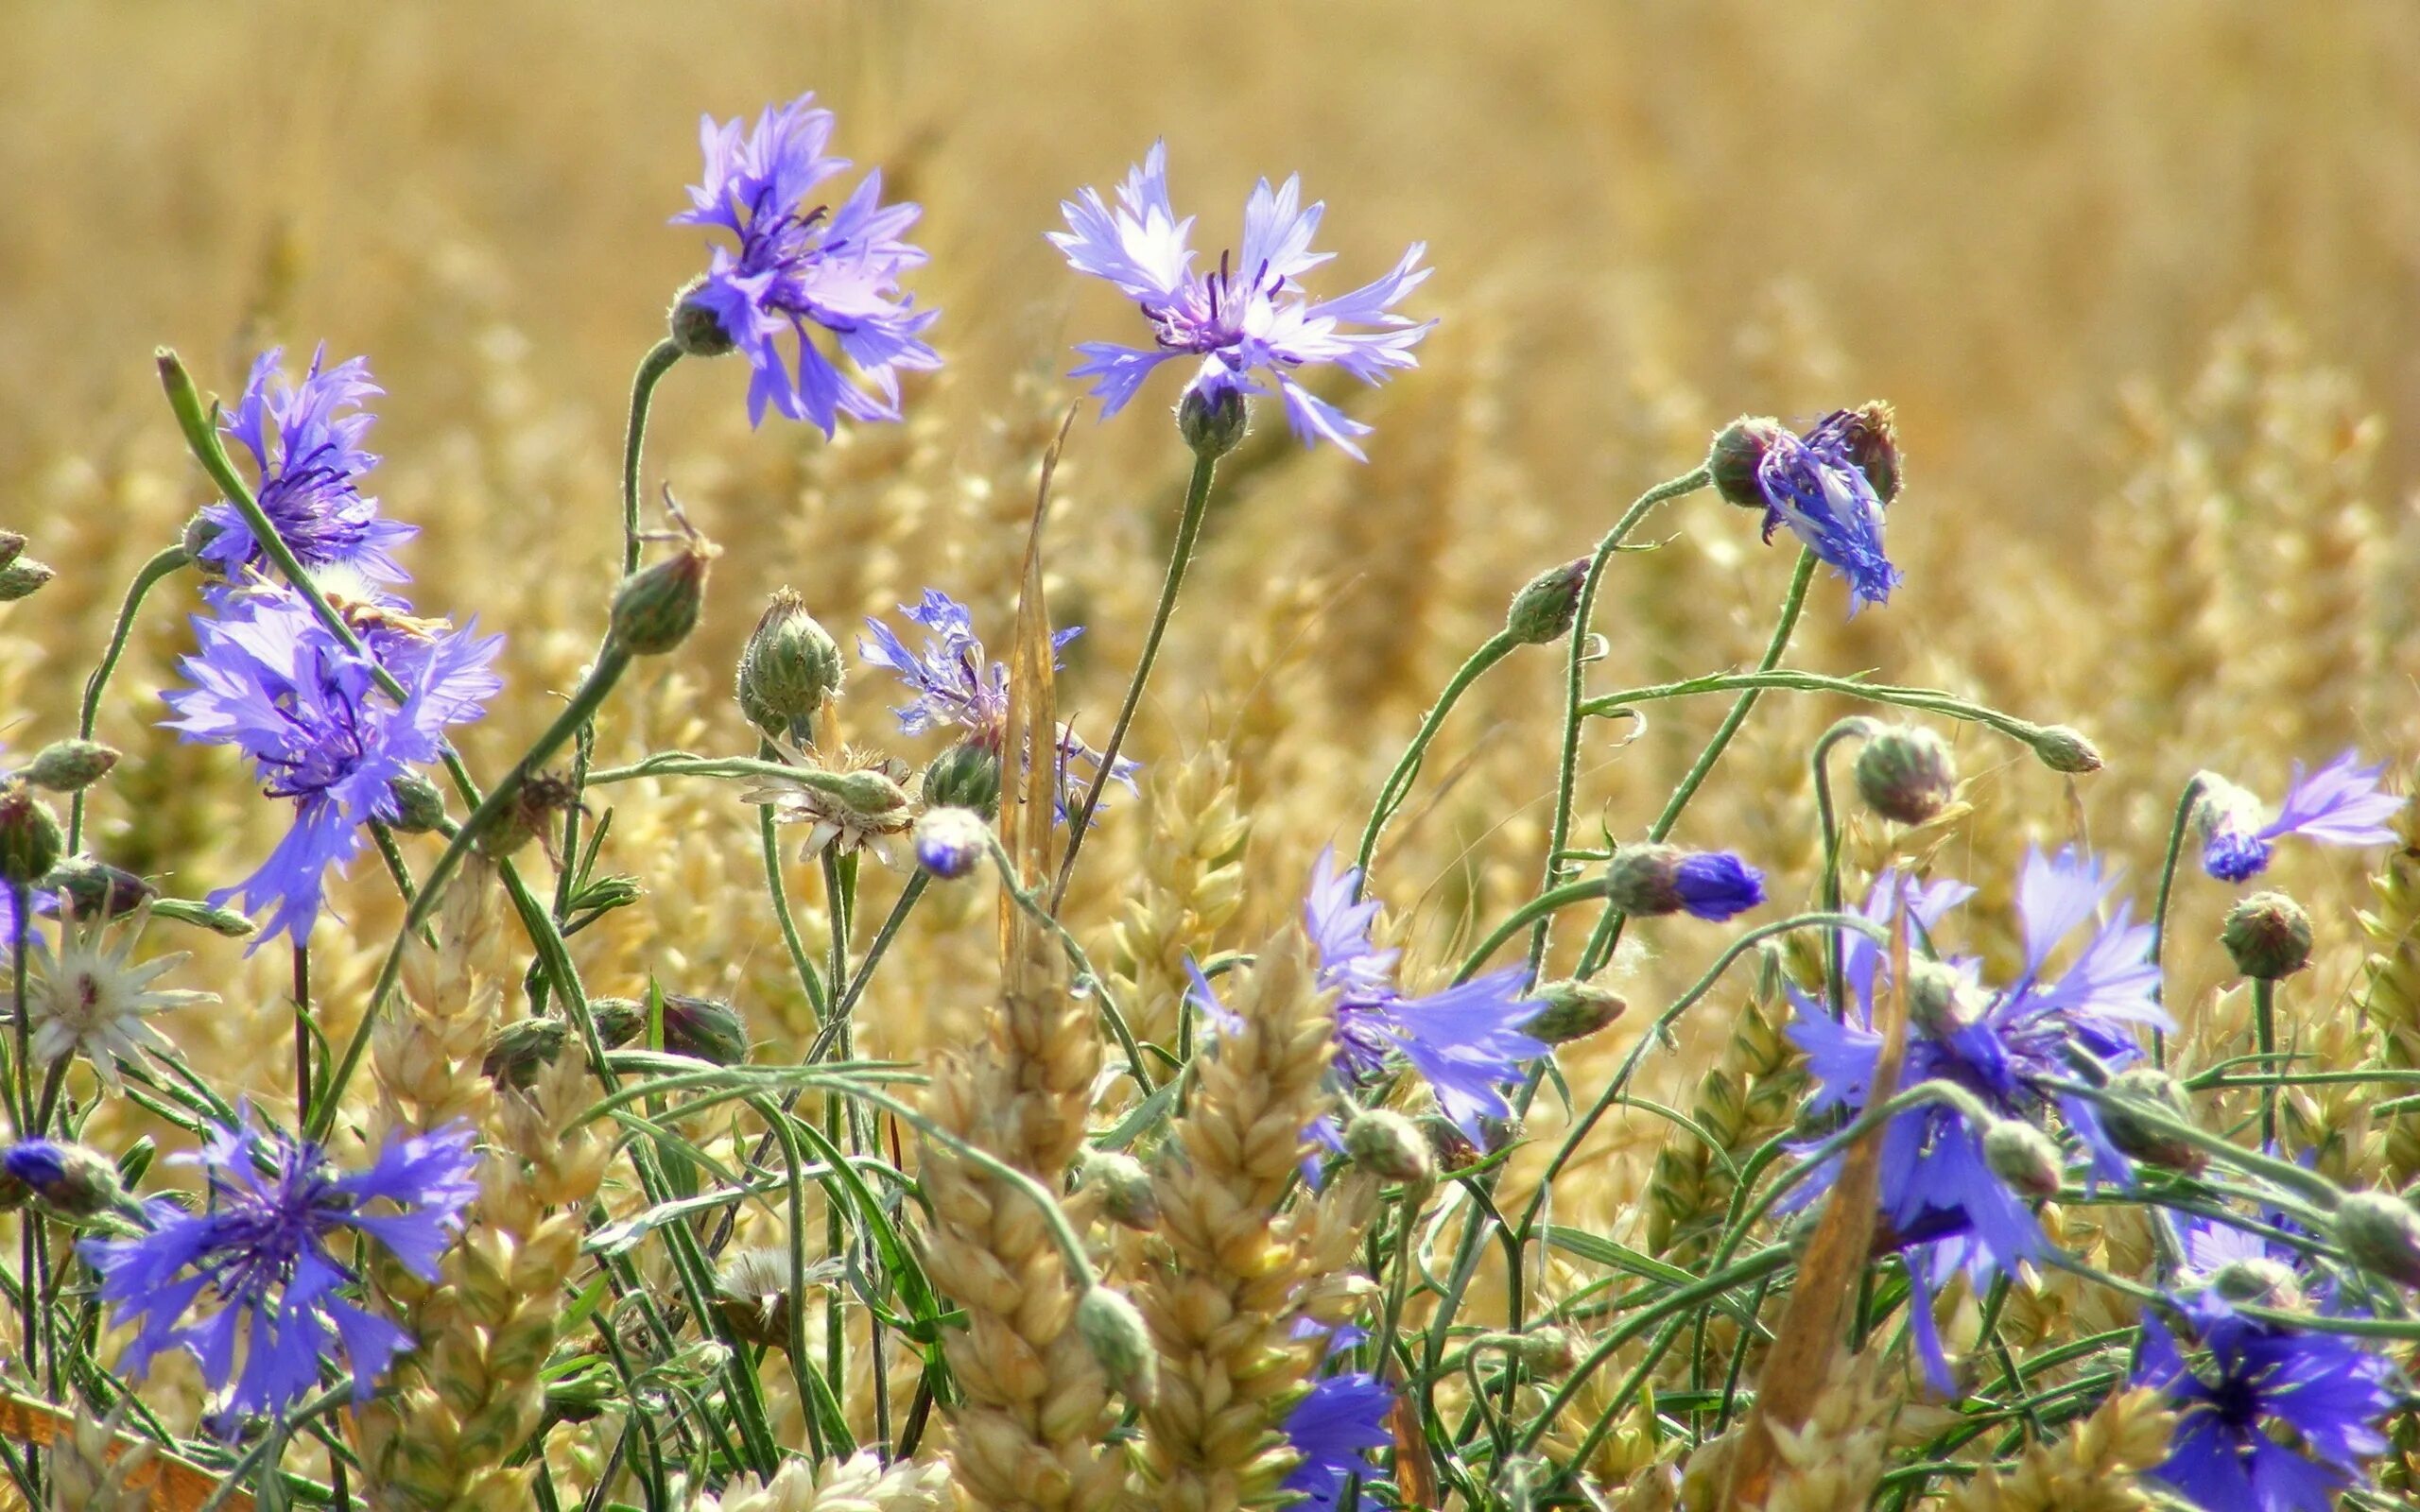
1836,989
150,573
1398,784
2184,821
652,367
1188,531
1536,908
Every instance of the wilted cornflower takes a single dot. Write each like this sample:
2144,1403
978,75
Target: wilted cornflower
801,267
305,440
2339,804
90,998
1334,1427
1250,317
956,687
2234,1380
1941,1202
1814,485
1465,1042
273,681
256,1269
855,805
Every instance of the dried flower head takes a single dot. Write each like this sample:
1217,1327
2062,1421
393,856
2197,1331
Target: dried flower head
90,998
853,803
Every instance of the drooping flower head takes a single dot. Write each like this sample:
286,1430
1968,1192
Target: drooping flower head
255,1270
1653,880
955,686
1249,323
1465,1042
2271,1418
273,681
90,998
305,442
1334,1427
1829,485
799,269
1941,1200
2339,804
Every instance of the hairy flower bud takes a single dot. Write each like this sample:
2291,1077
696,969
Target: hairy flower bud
2063,748
1651,880
1113,1329
657,607
1941,997
2258,1279
70,765
697,330
1547,1352
69,1180
951,842
966,775
1738,451
1388,1146
2161,1099
619,1020
790,668
30,840
420,804
92,887
1544,609
1125,1188
2381,1234
2023,1156
23,578
1213,424
1905,773
704,1029
523,1048
1574,1010
2266,936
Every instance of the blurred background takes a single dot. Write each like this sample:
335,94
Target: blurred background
2138,275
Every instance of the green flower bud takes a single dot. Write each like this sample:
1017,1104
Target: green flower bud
2063,748
523,1048
198,533
12,546
1547,1352
1739,449
93,887
606,894
31,839
2258,1279
1941,997
2023,1156
704,1029
1113,1330
1126,1196
2266,936
658,606
68,1180
1545,608
224,922
534,810
1574,1010
966,775
753,1293
1215,425
697,330
619,1020
23,578
1390,1146
70,765
1905,773
788,669
2381,1234
2159,1096
420,804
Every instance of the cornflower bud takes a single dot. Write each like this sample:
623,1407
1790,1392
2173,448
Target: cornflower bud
697,330
12,546
1941,997
1651,880
2381,1234
70,765
31,839
790,668
704,1029
1125,1188
1870,435
69,1180
198,533
2160,1097
619,1020
1212,424
1738,450
95,887
2063,748
420,804
2266,936
2023,1156
535,809
521,1049
2258,1279
23,578
1390,1146
657,607
951,842
1574,1010
1544,609
966,775
1546,1350
1905,773
1113,1329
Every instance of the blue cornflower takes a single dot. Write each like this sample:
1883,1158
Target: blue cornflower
1250,317
270,681
954,685
800,267
1813,485
305,440
255,1263
1465,1042
1655,880
2339,804
1334,1427
1941,1200
2245,1377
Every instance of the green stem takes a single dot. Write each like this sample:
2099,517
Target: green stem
2264,1031
1520,918
302,1032
1836,989
152,571
652,367
889,931
1928,700
2184,821
1398,784
1188,529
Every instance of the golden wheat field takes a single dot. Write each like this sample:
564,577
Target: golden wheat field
2138,276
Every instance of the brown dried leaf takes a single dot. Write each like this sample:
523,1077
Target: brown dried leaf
1030,746
176,1485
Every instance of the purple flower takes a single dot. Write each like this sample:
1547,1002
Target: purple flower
255,1264
1941,1200
270,681
954,686
305,440
800,267
1650,880
2339,804
1333,1428
1465,1042
1812,485
1250,317
2246,1376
